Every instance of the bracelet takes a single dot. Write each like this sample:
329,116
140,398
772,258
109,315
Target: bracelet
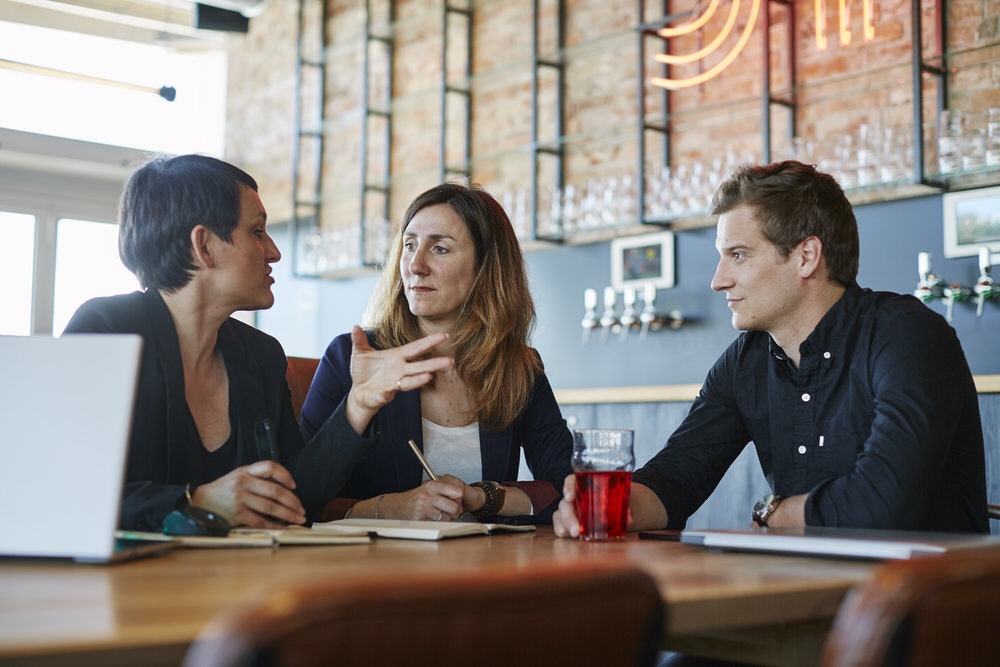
495,496
187,493
377,503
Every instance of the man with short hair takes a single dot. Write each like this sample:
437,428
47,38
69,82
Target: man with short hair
860,404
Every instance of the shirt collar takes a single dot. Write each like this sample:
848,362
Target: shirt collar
827,334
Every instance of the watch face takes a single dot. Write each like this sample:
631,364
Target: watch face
764,507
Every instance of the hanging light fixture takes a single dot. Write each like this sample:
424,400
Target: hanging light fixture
820,11
688,28
844,22
169,93
701,18
867,20
712,47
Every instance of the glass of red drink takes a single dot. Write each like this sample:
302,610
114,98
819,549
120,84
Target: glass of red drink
602,462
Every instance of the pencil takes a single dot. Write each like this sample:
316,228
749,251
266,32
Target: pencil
423,461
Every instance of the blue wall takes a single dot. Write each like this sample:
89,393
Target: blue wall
308,313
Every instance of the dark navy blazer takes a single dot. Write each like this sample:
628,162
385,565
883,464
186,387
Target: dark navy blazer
390,466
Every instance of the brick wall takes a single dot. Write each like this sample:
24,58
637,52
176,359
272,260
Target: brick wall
260,102
839,89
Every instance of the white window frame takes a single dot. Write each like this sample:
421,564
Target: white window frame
53,178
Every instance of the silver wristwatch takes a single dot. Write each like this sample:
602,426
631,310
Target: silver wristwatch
765,508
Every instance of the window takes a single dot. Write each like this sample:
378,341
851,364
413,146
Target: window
65,254
193,122
16,271
87,265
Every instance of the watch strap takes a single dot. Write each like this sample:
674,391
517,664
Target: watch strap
765,507
495,494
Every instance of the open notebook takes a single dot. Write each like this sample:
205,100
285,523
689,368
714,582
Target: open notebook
66,410
840,542
419,530
259,537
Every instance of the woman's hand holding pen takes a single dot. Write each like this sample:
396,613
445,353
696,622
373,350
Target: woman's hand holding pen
258,495
439,500
377,375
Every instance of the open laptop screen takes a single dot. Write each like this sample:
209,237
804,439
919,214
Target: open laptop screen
66,413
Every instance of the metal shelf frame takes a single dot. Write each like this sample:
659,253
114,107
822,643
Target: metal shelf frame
768,98
552,151
650,30
939,74
462,93
379,186
306,210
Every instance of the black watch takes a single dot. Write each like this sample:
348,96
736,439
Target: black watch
495,496
765,508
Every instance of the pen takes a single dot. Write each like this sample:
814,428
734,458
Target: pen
267,449
423,461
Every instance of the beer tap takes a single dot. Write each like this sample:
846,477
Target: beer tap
648,315
953,292
986,289
589,321
631,318
930,287
608,318
628,318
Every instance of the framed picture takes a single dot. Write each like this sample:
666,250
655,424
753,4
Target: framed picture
971,221
637,261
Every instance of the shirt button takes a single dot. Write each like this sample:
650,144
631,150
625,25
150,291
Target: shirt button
827,355
802,449
806,398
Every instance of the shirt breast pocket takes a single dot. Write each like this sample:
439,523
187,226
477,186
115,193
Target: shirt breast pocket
841,439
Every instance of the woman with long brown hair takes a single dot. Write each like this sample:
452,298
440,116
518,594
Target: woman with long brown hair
455,268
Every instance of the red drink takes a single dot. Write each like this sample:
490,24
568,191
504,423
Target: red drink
602,504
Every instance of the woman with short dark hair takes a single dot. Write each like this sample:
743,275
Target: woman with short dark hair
193,230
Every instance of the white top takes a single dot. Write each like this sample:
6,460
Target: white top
453,450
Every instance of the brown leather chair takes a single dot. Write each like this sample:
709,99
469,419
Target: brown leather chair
543,616
300,375
930,611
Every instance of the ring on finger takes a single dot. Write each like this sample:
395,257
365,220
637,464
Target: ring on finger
438,517
399,384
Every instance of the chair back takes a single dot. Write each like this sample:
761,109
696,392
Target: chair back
299,374
934,610
542,616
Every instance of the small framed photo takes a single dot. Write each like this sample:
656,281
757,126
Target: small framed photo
637,261
971,222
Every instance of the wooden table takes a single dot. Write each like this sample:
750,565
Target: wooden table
769,609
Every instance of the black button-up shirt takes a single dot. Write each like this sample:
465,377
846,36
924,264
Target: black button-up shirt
879,424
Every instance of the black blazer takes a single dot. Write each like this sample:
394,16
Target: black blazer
165,451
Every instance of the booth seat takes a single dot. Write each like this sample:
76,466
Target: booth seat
300,374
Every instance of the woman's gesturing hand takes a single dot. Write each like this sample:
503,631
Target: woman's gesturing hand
376,375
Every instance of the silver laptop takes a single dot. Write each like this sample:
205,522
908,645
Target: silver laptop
840,542
65,417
